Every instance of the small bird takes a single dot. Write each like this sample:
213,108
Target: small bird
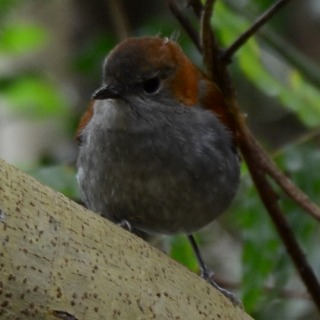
156,150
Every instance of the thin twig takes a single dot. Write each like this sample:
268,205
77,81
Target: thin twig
206,38
185,23
212,56
265,17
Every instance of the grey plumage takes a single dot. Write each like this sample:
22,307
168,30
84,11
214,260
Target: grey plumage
165,168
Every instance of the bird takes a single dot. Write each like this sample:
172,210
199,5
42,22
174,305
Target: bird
157,150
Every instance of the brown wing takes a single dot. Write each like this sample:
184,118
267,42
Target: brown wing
84,121
211,98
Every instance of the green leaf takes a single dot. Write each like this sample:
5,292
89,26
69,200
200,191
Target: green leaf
20,38
6,5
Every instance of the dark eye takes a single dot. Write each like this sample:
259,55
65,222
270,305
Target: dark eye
151,85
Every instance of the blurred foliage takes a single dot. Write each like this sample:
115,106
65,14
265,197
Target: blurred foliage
264,259
6,5
28,92
35,96
89,61
21,39
276,78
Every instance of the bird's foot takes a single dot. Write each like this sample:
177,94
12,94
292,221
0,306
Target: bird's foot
125,224
207,275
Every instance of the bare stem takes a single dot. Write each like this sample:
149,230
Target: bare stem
206,37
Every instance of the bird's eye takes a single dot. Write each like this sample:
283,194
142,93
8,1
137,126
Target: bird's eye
152,85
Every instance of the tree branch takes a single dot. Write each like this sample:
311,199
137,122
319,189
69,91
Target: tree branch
206,39
61,261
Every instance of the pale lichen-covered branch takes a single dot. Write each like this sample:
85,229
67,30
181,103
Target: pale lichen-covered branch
60,261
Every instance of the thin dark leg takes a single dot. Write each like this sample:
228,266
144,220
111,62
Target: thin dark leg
207,274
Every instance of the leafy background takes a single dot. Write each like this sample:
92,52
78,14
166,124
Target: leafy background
50,62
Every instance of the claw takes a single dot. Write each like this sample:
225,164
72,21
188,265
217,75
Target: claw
231,296
125,224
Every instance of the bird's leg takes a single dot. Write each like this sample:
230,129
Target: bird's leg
207,274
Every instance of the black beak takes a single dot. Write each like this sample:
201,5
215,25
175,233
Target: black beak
106,92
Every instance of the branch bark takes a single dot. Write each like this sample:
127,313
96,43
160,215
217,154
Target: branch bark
61,261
